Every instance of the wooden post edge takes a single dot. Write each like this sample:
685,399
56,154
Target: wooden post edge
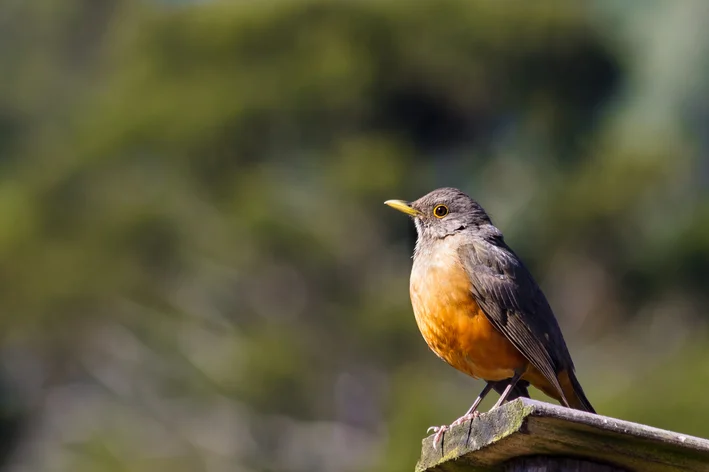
529,430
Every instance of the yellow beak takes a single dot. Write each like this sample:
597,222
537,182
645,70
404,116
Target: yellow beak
402,206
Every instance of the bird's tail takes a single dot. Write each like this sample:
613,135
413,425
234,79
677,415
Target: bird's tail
573,392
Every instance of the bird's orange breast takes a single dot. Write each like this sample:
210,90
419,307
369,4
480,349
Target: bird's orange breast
453,324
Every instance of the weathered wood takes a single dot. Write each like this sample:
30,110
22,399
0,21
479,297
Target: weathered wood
557,464
500,440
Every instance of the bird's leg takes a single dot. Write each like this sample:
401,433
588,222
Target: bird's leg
469,415
505,394
473,410
519,390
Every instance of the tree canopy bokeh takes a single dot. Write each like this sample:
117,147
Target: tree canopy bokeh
197,269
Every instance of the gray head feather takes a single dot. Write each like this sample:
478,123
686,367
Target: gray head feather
463,213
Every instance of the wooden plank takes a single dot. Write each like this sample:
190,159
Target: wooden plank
557,464
527,427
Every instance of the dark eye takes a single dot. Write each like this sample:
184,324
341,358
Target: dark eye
440,211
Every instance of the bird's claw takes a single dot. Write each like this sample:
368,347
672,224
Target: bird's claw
441,430
464,418
438,438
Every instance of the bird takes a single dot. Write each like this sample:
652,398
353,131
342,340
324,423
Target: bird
478,307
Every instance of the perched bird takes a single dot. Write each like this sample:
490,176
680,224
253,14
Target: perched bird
478,307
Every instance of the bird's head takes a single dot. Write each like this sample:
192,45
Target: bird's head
443,212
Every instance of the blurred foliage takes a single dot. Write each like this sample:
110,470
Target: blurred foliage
197,270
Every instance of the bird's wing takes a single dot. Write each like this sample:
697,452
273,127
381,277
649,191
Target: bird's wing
515,305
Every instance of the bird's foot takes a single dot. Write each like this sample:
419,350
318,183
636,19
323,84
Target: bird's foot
466,417
441,430
438,438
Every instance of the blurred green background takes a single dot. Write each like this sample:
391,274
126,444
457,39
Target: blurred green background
197,272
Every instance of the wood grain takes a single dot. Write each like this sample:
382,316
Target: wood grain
525,428
557,464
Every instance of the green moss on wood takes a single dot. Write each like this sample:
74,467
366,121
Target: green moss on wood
526,428
487,429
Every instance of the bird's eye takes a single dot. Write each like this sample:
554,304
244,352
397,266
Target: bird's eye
440,211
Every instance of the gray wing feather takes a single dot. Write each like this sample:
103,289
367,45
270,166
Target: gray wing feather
515,305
